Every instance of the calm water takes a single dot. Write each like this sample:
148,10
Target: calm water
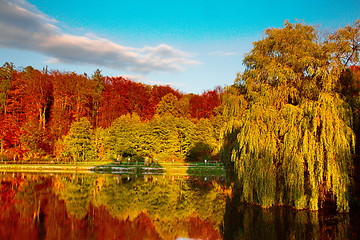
99,206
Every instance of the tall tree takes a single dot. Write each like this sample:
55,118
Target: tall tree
165,142
6,76
294,140
73,99
37,102
125,138
15,116
98,79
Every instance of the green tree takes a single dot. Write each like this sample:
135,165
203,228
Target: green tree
79,142
167,105
126,138
204,142
170,104
185,130
293,140
6,76
98,79
164,138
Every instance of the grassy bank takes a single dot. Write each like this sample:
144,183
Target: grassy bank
50,167
196,169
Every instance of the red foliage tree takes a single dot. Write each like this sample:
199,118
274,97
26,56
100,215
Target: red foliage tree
158,92
122,96
204,105
73,98
14,117
37,100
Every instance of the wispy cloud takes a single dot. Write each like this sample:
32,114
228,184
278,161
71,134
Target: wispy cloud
23,26
174,84
222,53
137,78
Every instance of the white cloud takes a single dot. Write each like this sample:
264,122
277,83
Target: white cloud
222,53
137,78
23,26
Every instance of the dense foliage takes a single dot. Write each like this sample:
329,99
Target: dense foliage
76,117
289,129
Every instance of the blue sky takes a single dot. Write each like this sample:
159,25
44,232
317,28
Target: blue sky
191,45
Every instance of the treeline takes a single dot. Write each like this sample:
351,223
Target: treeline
68,116
292,118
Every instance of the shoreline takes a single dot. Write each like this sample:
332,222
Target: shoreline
113,168
47,168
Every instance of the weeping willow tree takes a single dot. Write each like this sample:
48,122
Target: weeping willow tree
288,132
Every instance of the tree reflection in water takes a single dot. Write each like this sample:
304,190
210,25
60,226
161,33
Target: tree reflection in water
99,206
243,221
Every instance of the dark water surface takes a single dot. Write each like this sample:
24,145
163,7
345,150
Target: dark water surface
100,206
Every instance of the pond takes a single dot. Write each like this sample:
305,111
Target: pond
109,206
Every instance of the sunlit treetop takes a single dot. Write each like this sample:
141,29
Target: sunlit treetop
297,61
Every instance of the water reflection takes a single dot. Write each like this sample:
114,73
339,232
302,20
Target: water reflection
99,206
251,222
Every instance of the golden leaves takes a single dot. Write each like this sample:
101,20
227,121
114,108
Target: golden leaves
293,131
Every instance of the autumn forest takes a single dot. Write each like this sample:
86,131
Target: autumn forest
69,116
286,130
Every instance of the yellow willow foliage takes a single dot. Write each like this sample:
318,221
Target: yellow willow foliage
292,155
288,133
234,104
